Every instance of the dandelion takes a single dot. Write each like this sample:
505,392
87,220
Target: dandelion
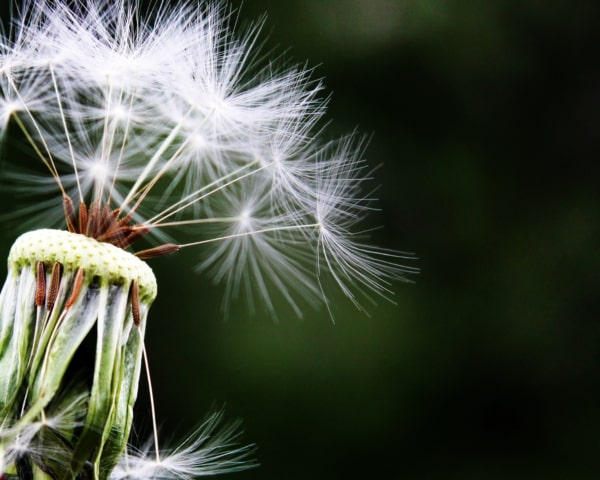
152,128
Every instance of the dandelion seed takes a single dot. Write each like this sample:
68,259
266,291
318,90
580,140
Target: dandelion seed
150,128
210,450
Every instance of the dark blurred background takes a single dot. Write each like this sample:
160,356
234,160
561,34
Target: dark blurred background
484,116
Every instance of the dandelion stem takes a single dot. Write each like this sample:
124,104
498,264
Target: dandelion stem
164,169
193,221
122,148
152,406
253,232
67,136
46,160
107,141
192,198
155,158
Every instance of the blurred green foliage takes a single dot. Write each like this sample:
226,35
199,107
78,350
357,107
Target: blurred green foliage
484,117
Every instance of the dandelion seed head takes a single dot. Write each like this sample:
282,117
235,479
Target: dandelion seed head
180,122
97,170
245,218
119,112
198,141
157,127
8,107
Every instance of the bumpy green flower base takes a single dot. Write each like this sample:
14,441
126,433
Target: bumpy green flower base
75,251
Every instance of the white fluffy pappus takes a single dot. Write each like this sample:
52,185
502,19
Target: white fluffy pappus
212,449
175,119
